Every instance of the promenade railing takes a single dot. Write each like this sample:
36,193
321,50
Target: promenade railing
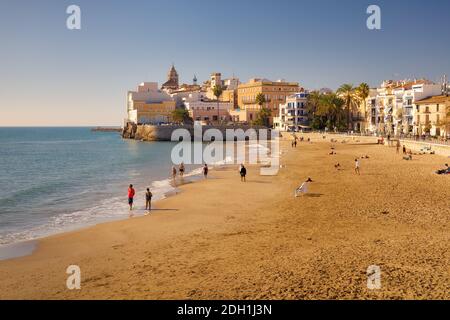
423,139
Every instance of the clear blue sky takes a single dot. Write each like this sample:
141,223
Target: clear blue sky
50,75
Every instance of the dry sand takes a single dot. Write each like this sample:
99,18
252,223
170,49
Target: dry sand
223,239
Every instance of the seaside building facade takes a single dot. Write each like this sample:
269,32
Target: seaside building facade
229,88
149,105
293,115
209,112
432,116
391,109
275,93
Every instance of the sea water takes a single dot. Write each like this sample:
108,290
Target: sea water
60,179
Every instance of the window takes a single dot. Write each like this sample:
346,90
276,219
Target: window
437,107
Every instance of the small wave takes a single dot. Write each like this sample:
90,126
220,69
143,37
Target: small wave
110,209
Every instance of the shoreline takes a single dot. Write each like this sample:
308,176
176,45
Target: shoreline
27,247
314,247
24,247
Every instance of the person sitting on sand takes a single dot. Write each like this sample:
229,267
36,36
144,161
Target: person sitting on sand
408,156
337,166
444,171
148,200
242,172
303,189
131,194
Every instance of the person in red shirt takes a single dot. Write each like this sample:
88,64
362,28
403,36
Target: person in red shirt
131,194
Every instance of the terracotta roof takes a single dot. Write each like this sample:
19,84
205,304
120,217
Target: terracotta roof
434,99
170,83
410,84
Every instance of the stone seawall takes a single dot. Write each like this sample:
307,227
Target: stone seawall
208,133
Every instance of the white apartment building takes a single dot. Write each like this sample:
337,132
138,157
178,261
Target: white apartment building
149,105
391,108
293,115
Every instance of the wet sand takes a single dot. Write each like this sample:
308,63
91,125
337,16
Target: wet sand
223,239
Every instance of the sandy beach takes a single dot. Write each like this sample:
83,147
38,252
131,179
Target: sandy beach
223,239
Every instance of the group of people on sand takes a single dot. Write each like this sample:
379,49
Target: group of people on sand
181,170
295,139
148,198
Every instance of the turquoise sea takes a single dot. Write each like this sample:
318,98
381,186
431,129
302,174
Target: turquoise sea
60,179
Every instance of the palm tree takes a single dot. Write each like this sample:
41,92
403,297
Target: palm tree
325,110
260,99
347,93
363,93
264,113
217,91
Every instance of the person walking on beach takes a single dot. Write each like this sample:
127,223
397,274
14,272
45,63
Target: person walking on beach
404,149
148,200
131,194
174,172
181,169
357,166
205,171
242,172
398,146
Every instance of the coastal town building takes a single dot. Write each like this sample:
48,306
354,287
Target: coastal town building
371,111
149,105
432,116
275,93
293,115
209,112
172,80
229,88
392,109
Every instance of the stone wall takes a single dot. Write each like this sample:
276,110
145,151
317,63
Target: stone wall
164,133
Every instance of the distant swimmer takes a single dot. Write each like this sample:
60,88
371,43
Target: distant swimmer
174,172
181,169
